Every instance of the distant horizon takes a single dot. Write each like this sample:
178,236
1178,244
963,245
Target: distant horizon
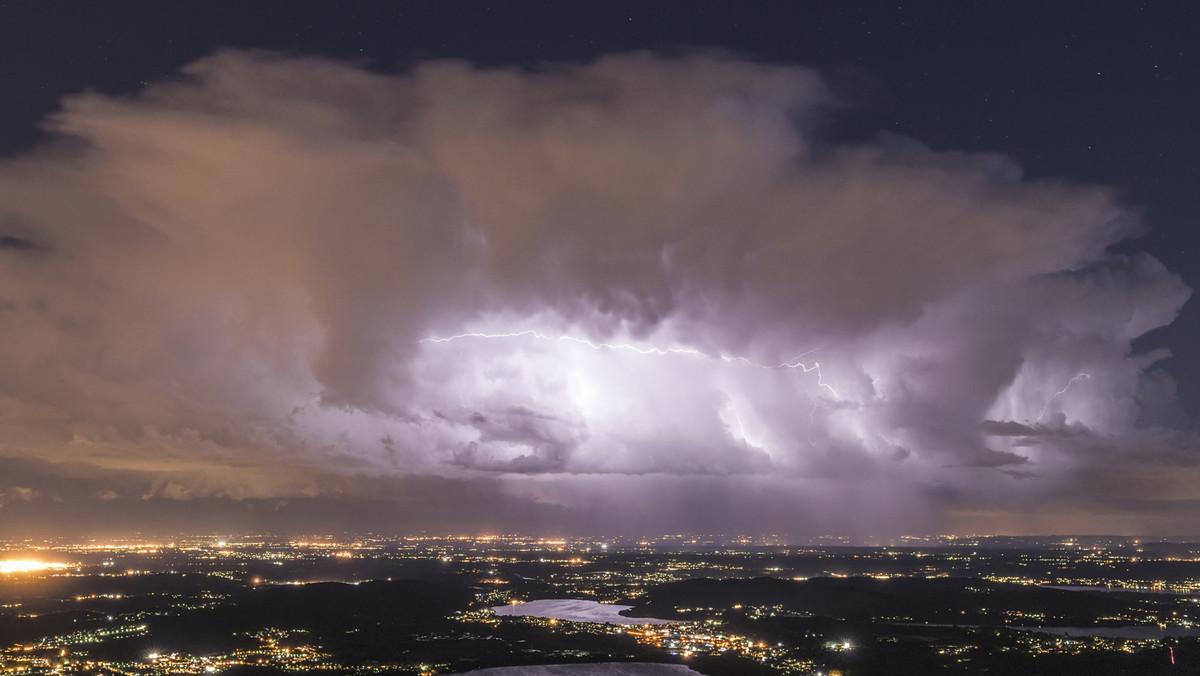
332,539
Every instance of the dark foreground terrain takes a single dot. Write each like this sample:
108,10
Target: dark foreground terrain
422,606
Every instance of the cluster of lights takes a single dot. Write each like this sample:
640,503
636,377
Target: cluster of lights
9,566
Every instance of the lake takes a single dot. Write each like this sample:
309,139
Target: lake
574,610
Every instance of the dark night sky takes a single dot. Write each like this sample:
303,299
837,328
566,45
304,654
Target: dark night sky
1076,93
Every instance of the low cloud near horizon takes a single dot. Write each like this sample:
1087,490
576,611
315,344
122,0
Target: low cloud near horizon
640,293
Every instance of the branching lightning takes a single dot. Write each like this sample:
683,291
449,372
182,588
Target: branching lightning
1056,395
796,362
812,416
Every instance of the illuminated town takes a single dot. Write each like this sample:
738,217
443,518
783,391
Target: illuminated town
425,605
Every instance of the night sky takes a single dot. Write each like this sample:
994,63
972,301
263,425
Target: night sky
863,269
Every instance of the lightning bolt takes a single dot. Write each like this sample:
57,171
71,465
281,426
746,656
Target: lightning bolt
1056,395
812,416
797,362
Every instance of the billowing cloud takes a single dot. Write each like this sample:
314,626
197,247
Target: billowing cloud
598,289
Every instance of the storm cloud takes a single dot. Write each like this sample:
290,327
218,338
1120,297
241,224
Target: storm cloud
603,290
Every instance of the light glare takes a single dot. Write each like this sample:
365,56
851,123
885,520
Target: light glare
28,566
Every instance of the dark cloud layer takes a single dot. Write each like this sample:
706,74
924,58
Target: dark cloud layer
635,294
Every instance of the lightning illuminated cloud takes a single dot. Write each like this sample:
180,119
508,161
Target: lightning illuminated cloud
797,362
599,290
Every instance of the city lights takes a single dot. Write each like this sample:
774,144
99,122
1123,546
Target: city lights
10,566
710,591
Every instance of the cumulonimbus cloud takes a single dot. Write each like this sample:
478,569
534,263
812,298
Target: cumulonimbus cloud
635,267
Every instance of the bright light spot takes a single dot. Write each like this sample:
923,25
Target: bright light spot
846,645
28,565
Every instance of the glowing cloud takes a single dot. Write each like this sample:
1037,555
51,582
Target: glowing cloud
281,278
